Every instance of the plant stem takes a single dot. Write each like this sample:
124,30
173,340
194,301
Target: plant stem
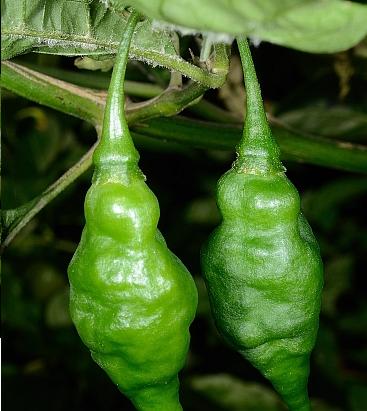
116,145
33,207
206,47
89,106
214,79
89,79
204,109
210,79
169,103
295,147
257,149
209,111
79,102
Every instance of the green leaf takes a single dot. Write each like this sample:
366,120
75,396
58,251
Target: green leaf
72,28
338,121
309,25
11,218
325,26
87,28
230,393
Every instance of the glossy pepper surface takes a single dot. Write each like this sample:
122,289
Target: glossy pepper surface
131,299
262,264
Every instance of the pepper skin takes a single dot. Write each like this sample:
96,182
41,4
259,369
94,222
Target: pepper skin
262,264
131,299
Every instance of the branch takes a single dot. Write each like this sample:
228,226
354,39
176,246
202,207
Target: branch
204,109
171,102
296,147
90,79
79,102
15,220
89,105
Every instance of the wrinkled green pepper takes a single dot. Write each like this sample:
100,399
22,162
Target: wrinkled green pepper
131,299
262,264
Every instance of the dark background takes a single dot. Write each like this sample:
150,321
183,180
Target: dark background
45,365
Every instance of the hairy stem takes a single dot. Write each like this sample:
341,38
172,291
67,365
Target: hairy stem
203,108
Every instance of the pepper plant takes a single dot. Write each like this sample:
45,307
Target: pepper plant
132,300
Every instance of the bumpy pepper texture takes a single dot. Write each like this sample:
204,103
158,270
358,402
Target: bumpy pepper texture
262,265
131,299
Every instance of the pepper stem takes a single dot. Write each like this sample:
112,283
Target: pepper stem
257,151
116,145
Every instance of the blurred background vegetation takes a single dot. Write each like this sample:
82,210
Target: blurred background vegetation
46,366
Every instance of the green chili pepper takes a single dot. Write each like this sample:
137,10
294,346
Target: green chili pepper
131,299
262,264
